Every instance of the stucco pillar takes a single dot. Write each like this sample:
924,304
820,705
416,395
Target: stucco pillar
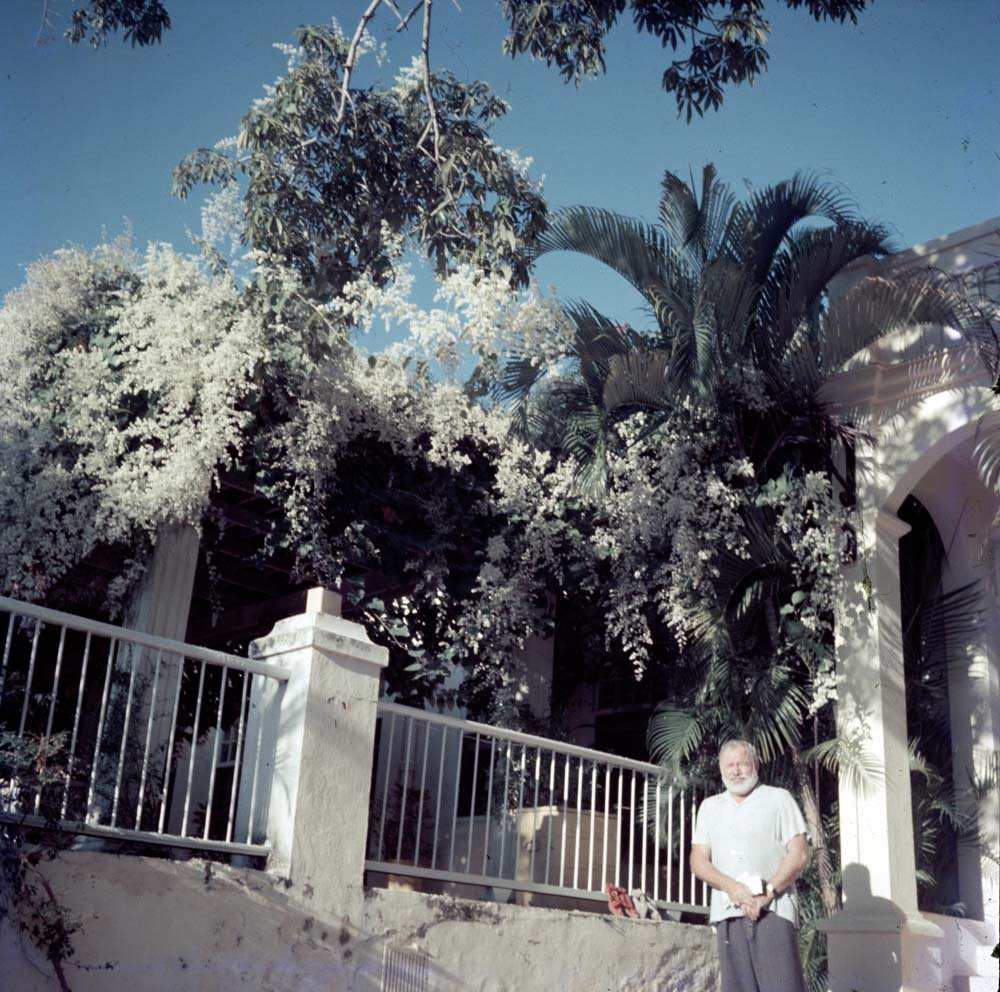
975,703
878,942
159,605
162,602
317,818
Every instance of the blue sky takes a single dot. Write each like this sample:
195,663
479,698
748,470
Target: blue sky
902,110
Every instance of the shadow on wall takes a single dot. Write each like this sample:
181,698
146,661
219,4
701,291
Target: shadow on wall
173,926
864,939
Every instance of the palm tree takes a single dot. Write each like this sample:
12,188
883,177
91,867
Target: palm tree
738,293
744,330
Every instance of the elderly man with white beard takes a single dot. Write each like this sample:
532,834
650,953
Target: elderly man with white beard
750,845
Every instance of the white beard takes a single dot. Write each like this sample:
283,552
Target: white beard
742,788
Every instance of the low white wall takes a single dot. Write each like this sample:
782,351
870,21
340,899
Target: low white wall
488,947
161,925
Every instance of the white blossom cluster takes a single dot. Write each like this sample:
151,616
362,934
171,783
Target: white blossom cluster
480,318
815,524
121,380
123,388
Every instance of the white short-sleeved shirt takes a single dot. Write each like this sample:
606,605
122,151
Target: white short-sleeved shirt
750,837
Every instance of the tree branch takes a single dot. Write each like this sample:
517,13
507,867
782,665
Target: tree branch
352,55
425,55
409,17
46,23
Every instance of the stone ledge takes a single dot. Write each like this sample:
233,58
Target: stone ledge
324,633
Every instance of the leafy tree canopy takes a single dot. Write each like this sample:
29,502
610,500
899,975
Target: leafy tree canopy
723,41
141,22
333,171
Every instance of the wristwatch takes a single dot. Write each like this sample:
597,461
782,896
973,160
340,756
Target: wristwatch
770,890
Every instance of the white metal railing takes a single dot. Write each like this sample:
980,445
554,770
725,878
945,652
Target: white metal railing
465,803
137,737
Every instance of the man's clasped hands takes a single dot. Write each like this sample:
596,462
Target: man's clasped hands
749,896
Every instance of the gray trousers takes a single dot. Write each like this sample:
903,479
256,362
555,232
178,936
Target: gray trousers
759,957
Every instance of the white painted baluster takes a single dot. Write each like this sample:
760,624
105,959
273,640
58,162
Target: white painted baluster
100,727
489,802
31,675
670,844
517,816
656,846
645,828
565,824
503,817
534,814
194,748
607,820
631,834
618,831
405,789
215,753
76,727
694,880
6,653
55,684
52,706
420,800
437,810
552,807
385,759
472,804
134,653
579,824
682,855
454,804
593,826
149,736
238,764
168,759
256,762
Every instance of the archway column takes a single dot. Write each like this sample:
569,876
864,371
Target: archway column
878,941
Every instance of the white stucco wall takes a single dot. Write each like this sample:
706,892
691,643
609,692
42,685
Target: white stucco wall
162,925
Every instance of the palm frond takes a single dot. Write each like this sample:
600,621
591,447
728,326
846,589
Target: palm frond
516,379
735,299
777,707
760,225
674,734
585,441
708,630
918,764
799,363
637,379
637,251
848,756
949,622
698,227
802,271
986,453
878,306
980,288
673,308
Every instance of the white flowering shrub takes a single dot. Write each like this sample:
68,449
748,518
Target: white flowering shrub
122,388
128,383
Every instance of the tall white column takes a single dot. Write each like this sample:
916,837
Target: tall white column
317,818
160,605
878,942
162,602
